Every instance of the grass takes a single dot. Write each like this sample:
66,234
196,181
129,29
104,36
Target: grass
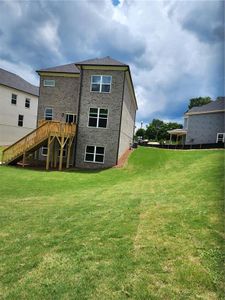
152,230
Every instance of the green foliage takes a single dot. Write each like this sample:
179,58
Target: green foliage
140,132
157,130
199,101
151,230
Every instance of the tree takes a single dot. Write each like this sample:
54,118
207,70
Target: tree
157,129
140,132
199,101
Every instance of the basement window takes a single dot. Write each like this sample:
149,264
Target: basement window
220,137
101,83
44,151
50,83
94,154
14,99
20,120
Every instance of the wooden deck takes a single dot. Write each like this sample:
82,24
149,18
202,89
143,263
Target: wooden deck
50,132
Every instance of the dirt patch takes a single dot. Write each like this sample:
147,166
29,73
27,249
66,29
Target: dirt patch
123,159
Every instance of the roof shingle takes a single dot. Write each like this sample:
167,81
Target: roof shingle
14,81
218,104
69,68
104,61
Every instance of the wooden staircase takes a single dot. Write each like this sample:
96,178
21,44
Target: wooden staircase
47,132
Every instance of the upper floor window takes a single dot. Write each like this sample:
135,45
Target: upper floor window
94,154
98,117
70,118
220,137
27,103
14,99
101,83
48,114
20,120
49,82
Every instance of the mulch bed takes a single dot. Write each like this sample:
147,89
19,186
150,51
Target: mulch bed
123,159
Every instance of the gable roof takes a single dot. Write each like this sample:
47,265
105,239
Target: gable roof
14,81
217,105
104,61
69,68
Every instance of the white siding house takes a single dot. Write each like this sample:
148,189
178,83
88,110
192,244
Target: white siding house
18,107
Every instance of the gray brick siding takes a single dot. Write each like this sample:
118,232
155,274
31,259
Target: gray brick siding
105,137
62,98
203,129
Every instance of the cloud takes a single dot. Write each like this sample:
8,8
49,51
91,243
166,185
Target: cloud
174,48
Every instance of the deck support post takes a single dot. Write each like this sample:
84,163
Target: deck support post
24,157
61,153
68,152
48,153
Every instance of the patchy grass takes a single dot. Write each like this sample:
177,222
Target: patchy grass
153,230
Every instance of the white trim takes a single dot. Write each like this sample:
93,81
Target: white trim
72,114
27,99
101,83
46,147
14,99
98,113
95,162
217,137
49,82
45,113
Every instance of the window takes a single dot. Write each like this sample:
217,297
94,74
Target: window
98,117
48,114
20,120
70,118
49,83
44,151
220,137
27,103
101,83
94,154
14,99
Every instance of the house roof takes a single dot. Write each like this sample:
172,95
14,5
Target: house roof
69,68
217,105
104,61
14,81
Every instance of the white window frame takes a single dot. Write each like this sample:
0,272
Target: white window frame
98,116
72,114
217,137
49,82
27,99
14,99
20,120
101,83
45,113
95,162
42,148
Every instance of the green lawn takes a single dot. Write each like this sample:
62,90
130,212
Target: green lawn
152,230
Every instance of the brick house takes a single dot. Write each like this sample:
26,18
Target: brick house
98,96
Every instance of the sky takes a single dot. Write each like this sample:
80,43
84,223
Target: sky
174,48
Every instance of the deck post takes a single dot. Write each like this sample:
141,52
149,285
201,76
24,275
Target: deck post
48,154
55,153
24,157
61,153
68,153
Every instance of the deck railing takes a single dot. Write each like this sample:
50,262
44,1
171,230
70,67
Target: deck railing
36,137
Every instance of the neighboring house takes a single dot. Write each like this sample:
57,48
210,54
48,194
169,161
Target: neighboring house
98,95
205,124
18,107
90,107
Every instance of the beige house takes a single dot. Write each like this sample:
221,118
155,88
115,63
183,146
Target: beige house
18,107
